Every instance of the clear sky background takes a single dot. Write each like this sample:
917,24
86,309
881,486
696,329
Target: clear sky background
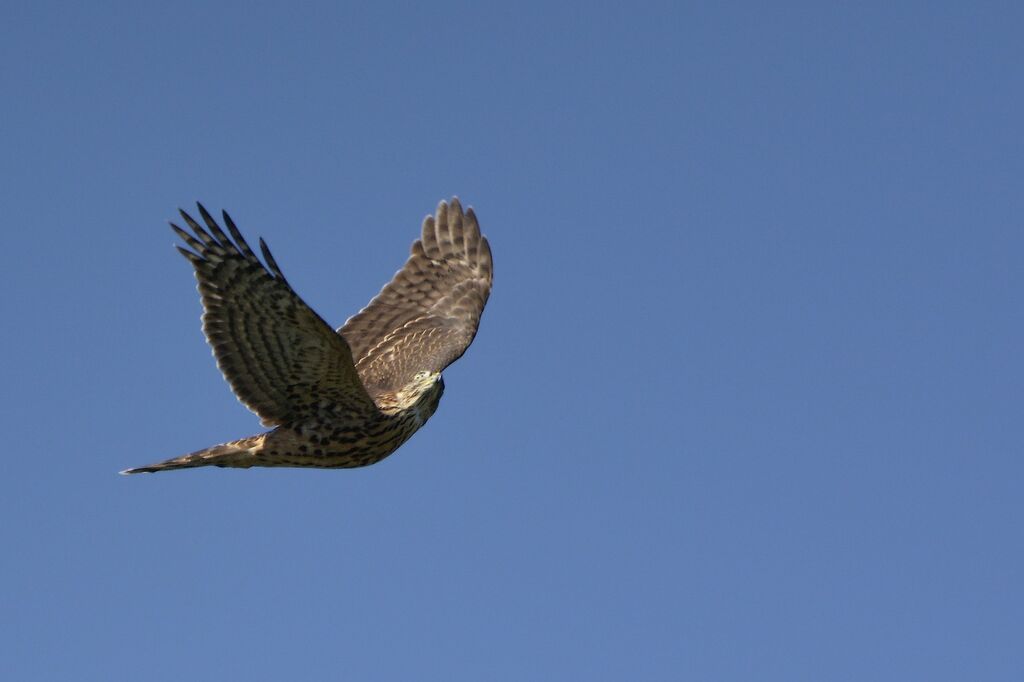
746,403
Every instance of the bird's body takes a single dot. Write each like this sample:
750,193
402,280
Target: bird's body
335,399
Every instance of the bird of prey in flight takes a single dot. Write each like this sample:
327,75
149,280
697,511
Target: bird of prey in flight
335,398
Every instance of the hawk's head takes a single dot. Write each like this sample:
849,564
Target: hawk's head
423,393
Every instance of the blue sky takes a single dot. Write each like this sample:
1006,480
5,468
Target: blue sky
745,403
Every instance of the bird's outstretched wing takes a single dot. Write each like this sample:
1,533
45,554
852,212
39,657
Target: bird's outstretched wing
427,315
280,358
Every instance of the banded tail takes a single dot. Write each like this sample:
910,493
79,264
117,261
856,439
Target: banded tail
239,453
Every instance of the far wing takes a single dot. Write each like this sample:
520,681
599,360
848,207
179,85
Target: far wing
428,314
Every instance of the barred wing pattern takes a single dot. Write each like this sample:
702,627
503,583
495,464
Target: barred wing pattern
279,357
428,314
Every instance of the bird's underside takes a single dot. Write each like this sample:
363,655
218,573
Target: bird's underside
335,398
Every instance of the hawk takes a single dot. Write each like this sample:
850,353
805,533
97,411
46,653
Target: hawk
335,398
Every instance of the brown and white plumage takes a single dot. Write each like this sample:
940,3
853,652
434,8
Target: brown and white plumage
337,398
431,306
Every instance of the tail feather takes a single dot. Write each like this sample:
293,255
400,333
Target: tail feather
239,453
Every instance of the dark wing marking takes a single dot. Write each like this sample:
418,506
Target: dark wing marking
280,358
427,315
